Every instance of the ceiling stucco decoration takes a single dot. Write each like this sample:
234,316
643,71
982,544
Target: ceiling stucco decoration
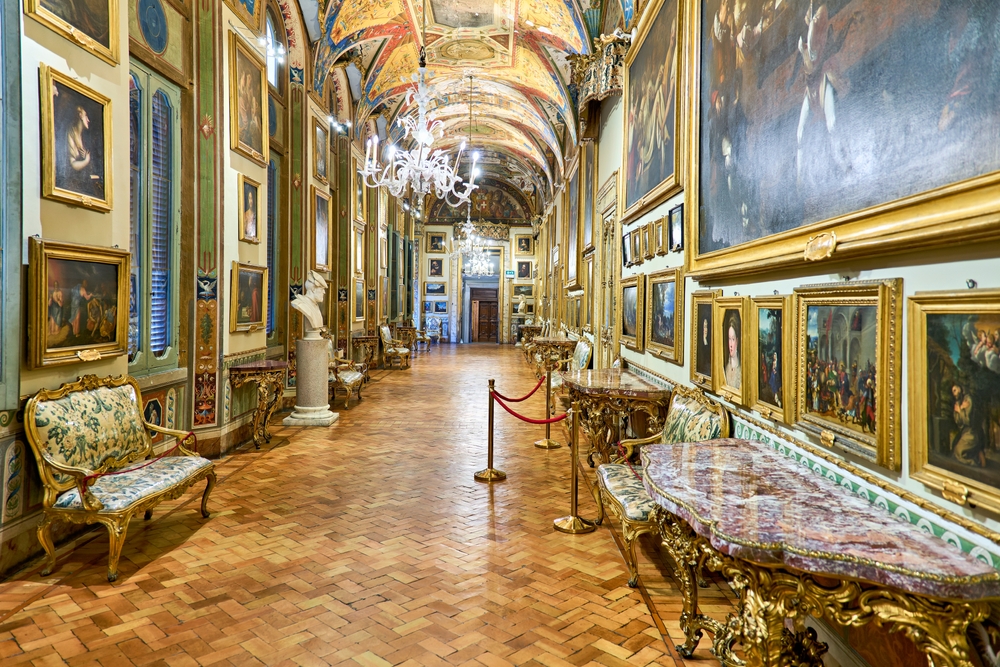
494,200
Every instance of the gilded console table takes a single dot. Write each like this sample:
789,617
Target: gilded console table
369,349
269,376
552,349
604,396
407,334
793,544
529,331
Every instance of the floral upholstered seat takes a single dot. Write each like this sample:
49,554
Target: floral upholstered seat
393,349
691,417
92,443
344,374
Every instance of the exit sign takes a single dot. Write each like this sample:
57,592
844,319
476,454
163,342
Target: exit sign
509,273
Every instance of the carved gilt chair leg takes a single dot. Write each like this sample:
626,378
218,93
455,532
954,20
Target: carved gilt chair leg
116,537
597,490
208,490
631,534
45,538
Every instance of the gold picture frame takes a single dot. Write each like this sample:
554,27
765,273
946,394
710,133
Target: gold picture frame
94,280
660,233
655,21
359,248
436,243
249,225
252,20
357,187
772,391
637,255
665,333
571,230
648,247
839,328
631,302
524,245
321,142
435,288
247,312
589,151
247,88
702,338
83,112
953,380
62,26
729,358
360,300
319,230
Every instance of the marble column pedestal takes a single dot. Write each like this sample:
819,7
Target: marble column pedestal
312,407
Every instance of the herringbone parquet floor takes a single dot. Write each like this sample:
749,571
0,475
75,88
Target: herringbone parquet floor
365,543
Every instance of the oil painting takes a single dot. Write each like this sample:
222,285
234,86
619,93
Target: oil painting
247,101
651,162
359,300
524,244
436,268
321,230
729,355
76,142
249,11
524,290
810,112
84,22
321,151
436,289
440,307
249,190
702,338
769,350
436,242
630,331
589,157
249,298
572,233
523,270
665,315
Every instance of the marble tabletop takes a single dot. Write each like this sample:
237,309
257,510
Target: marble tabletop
754,504
553,340
613,381
263,365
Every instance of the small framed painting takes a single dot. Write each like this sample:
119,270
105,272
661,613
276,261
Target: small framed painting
321,151
675,229
428,306
630,322
250,207
440,307
637,254
436,268
247,100
76,142
77,302
249,11
660,233
527,291
524,244
648,240
383,252
665,315
523,270
359,300
847,385
359,250
91,24
321,230
626,250
437,242
770,348
702,333
435,289
248,298
729,316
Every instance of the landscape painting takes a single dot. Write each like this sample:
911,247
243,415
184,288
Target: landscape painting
665,315
630,324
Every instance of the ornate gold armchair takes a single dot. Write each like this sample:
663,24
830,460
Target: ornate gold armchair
345,374
691,417
90,441
393,349
578,361
433,330
531,349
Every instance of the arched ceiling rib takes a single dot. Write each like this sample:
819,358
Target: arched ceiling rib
513,50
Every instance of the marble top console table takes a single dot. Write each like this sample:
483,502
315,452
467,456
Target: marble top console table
269,376
793,544
552,349
605,396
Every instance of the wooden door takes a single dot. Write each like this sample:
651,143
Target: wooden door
488,322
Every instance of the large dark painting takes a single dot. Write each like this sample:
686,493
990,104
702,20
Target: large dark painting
810,110
82,303
91,17
250,298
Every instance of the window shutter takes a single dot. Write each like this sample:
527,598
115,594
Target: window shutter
135,219
160,200
272,228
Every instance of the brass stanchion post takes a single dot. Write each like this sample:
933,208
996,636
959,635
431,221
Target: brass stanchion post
491,474
547,442
573,523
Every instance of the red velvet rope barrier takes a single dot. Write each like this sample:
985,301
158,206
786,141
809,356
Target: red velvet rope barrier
88,478
621,453
526,419
523,398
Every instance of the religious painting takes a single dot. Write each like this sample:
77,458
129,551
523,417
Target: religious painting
630,321
954,394
770,345
572,232
856,123
437,242
527,291
524,244
440,307
675,229
247,101
321,230
92,24
248,298
523,270
728,355
588,191
250,208
76,142
436,268
359,300
436,289
250,12
665,315
847,389
702,337
652,159
493,200
321,151
78,302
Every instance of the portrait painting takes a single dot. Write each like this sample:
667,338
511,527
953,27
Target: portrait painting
435,289
810,112
437,242
651,163
703,338
321,151
76,142
630,322
78,302
87,23
249,298
523,270
845,336
440,306
321,230
665,315
250,208
729,354
675,229
436,268
247,101
588,154
955,393
572,233
250,12
769,356
527,291
153,412
524,244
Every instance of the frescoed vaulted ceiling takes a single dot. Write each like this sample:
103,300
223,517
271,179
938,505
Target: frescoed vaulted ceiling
514,53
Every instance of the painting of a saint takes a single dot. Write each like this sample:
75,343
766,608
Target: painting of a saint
248,89
86,22
436,268
249,209
250,302
82,305
524,244
589,158
770,364
523,270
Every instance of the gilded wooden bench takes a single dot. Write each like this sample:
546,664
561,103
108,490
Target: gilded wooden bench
91,444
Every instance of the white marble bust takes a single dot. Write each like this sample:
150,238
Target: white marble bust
522,307
309,304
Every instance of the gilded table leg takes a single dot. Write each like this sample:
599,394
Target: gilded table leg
45,538
208,490
275,383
